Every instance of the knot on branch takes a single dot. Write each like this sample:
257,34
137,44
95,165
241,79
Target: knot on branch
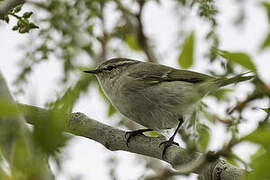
78,123
218,169
77,116
76,119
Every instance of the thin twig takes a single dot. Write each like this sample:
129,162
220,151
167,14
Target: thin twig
134,21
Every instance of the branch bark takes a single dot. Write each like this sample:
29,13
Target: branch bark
114,139
7,5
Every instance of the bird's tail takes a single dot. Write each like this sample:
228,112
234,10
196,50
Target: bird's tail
220,82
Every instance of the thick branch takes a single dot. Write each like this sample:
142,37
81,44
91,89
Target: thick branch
7,5
114,139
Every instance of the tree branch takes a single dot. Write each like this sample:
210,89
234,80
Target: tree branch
7,5
114,139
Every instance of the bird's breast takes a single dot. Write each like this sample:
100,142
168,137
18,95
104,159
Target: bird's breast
154,107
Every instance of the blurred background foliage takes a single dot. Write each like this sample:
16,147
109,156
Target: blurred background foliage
74,32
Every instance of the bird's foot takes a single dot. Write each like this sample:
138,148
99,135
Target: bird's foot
167,144
131,134
170,141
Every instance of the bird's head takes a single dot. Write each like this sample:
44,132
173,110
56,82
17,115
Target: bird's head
112,69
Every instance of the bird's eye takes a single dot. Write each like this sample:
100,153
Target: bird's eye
110,68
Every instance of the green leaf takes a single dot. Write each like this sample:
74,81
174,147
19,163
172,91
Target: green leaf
151,134
48,131
259,136
266,42
231,160
257,154
26,162
27,14
132,42
23,30
266,5
186,56
260,166
33,26
204,137
14,28
18,8
111,110
6,18
8,109
267,110
209,116
240,58
20,155
220,94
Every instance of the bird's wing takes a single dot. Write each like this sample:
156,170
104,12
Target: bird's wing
156,73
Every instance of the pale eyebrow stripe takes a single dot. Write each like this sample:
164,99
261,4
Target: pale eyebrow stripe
121,64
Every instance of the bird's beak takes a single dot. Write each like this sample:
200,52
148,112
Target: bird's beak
95,71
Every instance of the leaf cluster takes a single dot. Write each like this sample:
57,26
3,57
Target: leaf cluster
23,23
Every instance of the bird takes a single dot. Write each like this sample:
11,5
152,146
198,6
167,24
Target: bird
156,96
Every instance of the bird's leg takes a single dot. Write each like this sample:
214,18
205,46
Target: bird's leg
170,141
130,134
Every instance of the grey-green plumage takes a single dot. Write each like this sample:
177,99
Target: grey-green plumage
154,95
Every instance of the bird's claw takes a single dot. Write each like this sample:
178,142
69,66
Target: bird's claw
130,134
166,145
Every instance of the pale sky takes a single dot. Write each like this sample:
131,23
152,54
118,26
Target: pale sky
87,158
